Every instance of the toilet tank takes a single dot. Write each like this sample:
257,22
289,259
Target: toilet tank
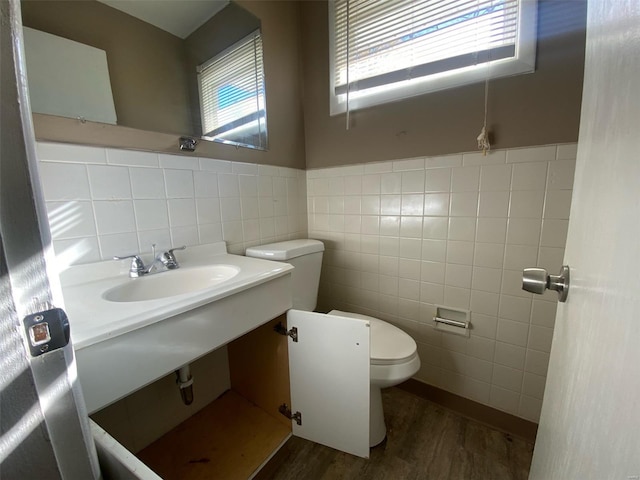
306,257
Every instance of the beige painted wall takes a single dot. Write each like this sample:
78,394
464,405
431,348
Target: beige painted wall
147,117
282,66
525,110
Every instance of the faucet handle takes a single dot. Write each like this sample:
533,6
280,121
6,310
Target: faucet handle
137,268
177,248
169,259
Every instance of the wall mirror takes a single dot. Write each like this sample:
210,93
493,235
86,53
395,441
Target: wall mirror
190,67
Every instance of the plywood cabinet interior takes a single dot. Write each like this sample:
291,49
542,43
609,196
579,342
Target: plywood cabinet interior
234,435
259,368
325,371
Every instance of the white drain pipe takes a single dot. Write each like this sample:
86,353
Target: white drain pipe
184,381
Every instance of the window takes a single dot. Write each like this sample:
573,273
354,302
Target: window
388,50
232,98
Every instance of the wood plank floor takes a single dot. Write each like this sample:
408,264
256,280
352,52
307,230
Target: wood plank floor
424,441
228,440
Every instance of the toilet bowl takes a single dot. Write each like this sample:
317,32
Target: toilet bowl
393,353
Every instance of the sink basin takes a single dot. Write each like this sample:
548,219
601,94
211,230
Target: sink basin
171,283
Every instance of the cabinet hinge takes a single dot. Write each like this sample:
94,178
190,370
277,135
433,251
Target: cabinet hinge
281,329
286,411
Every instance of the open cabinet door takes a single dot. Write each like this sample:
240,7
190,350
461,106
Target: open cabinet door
329,374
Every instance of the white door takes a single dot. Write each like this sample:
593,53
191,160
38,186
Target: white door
590,423
329,376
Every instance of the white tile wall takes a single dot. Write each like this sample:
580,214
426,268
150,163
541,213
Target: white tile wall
105,202
402,236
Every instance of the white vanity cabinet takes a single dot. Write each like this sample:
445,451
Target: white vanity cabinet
117,366
123,344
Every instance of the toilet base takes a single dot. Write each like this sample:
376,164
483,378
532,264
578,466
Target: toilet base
377,427
384,376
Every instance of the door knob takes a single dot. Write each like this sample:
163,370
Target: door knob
536,280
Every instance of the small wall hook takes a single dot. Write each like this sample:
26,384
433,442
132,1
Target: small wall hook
188,144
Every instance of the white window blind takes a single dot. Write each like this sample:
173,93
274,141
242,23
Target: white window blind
382,44
232,90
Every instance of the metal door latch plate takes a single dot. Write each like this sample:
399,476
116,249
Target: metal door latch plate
47,331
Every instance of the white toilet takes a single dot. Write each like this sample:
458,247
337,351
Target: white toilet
394,355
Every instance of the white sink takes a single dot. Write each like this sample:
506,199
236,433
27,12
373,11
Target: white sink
162,321
171,283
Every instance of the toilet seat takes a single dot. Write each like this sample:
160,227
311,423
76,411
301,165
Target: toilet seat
389,345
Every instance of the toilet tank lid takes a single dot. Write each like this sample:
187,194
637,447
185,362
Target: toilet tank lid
287,250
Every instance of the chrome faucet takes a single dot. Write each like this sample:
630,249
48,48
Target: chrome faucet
161,263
